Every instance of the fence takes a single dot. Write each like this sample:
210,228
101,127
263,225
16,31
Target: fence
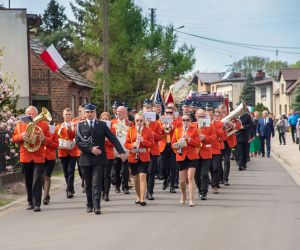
4,150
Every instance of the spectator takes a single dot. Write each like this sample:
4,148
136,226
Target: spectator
255,144
281,128
264,129
293,122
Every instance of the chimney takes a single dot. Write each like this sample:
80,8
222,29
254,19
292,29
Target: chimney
260,75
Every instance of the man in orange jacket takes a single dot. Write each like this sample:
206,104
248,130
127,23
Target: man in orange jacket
229,143
67,152
154,151
32,162
168,157
207,136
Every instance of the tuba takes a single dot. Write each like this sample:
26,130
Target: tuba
33,131
232,117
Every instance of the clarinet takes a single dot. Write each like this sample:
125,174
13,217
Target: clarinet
182,139
137,156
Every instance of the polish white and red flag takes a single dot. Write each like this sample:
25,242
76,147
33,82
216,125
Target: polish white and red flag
52,58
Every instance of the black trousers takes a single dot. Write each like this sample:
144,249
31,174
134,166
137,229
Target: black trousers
93,183
80,172
151,176
107,176
242,153
121,171
168,164
69,164
201,175
282,138
215,170
226,152
48,168
293,132
265,140
33,182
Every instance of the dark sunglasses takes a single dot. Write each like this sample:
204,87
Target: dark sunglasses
186,120
139,120
169,113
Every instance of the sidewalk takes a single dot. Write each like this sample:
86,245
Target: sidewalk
287,155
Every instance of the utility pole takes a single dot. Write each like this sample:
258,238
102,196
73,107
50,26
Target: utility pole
105,57
276,62
152,27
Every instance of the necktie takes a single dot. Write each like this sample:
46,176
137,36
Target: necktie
91,124
265,121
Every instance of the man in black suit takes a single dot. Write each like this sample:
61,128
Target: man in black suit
90,139
242,136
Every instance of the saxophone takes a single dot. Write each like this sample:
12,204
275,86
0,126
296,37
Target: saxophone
137,156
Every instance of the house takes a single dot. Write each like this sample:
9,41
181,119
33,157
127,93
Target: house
231,85
15,61
180,90
204,80
264,90
59,90
284,95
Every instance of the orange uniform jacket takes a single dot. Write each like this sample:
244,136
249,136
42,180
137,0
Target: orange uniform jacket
50,151
190,150
25,156
67,134
231,140
109,149
76,120
218,144
210,136
147,143
157,135
166,137
115,121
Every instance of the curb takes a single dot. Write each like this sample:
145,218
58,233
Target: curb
54,189
287,166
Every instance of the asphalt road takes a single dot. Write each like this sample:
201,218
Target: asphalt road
260,210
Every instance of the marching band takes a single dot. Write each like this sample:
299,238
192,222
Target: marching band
192,148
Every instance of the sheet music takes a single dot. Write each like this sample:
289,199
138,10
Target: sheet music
150,116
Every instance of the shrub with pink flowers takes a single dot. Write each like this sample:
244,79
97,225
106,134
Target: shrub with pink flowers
8,113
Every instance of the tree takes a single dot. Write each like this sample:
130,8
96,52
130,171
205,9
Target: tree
274,67
138,56
295,65
55,29
260,107
8,113
296,102
250,64
248,92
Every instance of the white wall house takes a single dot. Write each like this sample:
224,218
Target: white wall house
264,92
14,41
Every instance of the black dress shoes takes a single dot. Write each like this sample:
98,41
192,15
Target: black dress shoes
165,185
150,197
203,197
30,207
172,190
97,211
226,183
240,168
70,195
106,197
126,191
117,190
89,209
143,203
137,202
37,209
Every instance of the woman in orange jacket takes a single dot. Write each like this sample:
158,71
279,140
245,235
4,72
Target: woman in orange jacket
50,158
109,149
185,140
139,141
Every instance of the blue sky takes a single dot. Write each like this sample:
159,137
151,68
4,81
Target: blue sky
263,22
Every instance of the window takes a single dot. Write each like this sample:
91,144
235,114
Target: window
280,109
285,108
282,88
86,100
263,92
